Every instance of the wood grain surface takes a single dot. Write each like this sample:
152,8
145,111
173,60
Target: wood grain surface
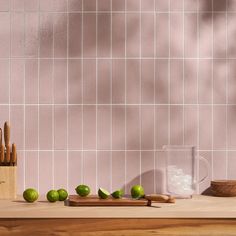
118,227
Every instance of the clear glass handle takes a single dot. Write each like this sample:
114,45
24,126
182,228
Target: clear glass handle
207,167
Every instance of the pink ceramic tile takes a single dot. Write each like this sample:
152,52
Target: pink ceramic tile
220,35
190,5
118,81
231,82
147,171
147,5
147,82
202,171
176,81
190,125
31,81
89,35
133,128
46,81
74,170
17,34
118,34
4,111
133,176
89,128
205,5
75,5
190,81
4,88
176,5
147,127
219,83
205,35
118,170
133,81
31,5
60,127
231,5
176,32
4,5
104,80
104,127
205,127
104,170
89,5
75,127
205,81
118,127
219,5
17,5
5,35
162,5
46,35
60,5
176,125
162,126
147,26
31,127
45,127
219,165
17,126
45,172
132,5
160,172
161,81
104,5
20,173
46,5
74,81
104,35
75,35
230,34
231,128
89,81
60,34
31,169
118,5
60,81
133,35
60,169
162,35
17,81
89,170
190,35
231,174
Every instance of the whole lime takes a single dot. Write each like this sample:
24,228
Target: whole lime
137,191
53,196
30,195
62,194
103,193
83,190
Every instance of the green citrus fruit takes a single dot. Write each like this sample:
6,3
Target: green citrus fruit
137,191
53,196
103,193
62,194
83,190
30,195
118,193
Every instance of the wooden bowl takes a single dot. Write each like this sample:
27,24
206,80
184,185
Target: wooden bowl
223,188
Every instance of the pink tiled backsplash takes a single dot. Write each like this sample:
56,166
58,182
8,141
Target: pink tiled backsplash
94,88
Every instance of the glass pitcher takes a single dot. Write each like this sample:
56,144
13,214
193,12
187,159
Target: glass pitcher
182,169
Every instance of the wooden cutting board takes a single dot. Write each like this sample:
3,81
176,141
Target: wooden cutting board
75,200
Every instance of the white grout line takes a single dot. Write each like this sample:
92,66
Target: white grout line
169,74
226,87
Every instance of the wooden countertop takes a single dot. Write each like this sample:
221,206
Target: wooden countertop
197,207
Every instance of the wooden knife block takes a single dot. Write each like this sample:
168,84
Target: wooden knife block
8,182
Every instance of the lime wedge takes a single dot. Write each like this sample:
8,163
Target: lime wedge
103,193
118,193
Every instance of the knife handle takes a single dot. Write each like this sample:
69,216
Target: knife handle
8,155
6,133
2,153
160,198
13,155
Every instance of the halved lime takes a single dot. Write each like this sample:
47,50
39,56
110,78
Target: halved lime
103,193
62,194
137,191
53,196
118,193
30,195
83,190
